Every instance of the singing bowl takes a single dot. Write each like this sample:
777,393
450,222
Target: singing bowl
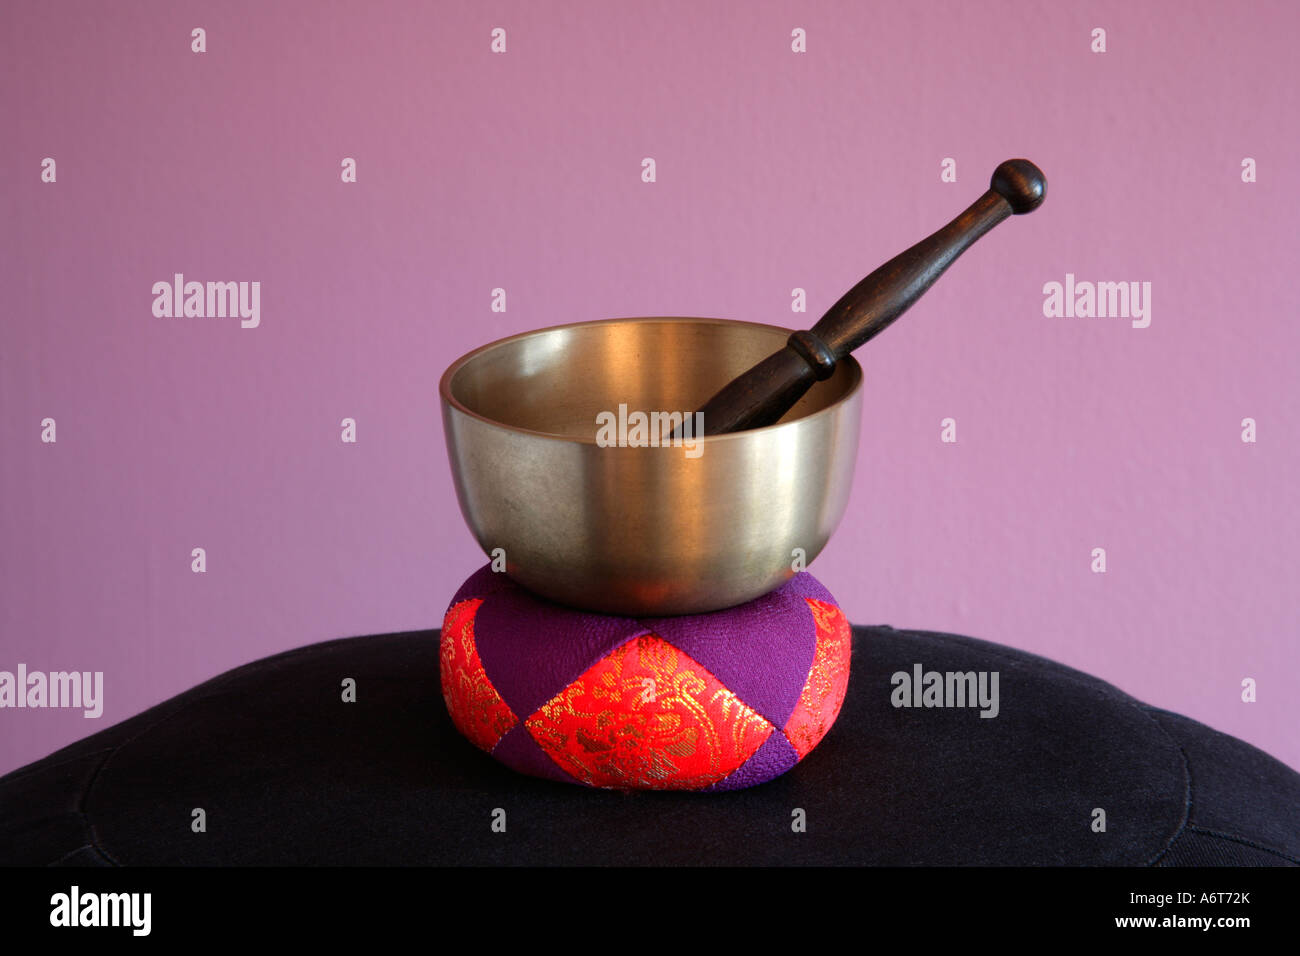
631,529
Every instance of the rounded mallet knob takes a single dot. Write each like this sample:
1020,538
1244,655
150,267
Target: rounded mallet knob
1020,183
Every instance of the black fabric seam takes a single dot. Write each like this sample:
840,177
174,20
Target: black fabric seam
1108,692
1219,834
1187,794
85,846
213,684
39,765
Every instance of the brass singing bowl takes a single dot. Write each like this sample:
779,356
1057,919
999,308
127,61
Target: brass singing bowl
633,529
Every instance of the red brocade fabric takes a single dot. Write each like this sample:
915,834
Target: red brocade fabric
474,704
645,714
828,680
648,717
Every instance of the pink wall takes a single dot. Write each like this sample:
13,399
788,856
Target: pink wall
521,170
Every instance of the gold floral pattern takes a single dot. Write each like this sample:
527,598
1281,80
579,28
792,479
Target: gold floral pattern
828,679
476,708
648,716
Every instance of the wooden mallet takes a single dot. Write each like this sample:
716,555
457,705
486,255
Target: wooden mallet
768,390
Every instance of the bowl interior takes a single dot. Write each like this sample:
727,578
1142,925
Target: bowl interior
556,381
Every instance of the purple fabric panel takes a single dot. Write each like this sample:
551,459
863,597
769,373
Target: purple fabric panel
532,649
807,586
762,651
774,758
518,751
480,584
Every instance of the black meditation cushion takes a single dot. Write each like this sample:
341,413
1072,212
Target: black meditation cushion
286,770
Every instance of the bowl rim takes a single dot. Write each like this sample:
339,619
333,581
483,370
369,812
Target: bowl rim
449,400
